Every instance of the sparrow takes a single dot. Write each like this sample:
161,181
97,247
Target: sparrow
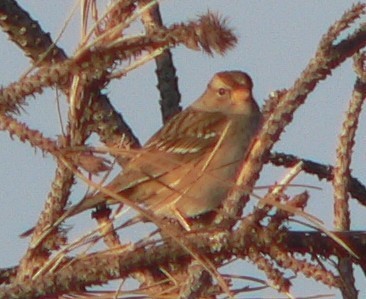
188,167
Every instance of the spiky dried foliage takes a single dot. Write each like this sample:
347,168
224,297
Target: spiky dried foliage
180,264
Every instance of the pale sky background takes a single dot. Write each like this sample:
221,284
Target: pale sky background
276,41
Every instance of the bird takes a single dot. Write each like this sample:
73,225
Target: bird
187,168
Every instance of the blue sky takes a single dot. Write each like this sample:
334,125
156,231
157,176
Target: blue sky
276,41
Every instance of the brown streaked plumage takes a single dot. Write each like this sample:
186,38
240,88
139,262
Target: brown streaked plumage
189,165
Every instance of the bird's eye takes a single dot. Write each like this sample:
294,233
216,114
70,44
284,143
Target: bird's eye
222,91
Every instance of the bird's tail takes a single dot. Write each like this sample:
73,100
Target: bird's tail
88,202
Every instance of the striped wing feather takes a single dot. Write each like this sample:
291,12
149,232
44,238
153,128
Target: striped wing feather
182,140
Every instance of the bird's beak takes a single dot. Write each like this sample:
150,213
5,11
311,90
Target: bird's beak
239,95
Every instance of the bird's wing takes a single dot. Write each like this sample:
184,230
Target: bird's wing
182,140
189,132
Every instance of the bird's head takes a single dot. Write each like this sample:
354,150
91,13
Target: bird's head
228,92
